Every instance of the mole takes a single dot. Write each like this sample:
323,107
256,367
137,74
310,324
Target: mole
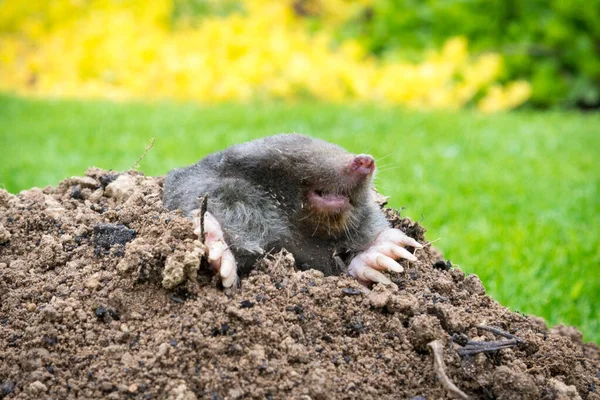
293,192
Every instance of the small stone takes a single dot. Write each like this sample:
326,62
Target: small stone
473,285
49,313
173,274
133,388
30,306
85,182
379,299
106,387
121,188
92,283
37,387
163,349
135,315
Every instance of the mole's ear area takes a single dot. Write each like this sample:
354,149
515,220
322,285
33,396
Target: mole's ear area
245,155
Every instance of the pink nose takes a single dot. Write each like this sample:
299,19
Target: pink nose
363,164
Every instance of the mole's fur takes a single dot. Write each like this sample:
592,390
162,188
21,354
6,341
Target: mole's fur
289,191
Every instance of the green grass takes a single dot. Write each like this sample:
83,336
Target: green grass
512,197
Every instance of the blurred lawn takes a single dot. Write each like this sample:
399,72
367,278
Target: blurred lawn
512,197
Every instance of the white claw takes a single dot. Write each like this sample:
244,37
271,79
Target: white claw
401,252
365,274
382,256
227,265
228,270
370,274
393,250
398,237
387,263
220,256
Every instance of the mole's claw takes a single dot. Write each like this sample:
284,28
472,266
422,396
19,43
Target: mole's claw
401,252
397,236
384,262
375,276
228,270
394,251
364,268
219,255
382,256
365,274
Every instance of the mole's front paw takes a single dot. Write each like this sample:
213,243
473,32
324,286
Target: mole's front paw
220,256
382,255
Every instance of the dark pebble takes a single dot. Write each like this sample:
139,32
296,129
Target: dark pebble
246,304
442,265
327,338
7,388
107,235
297,309
107,313
221,331
355,327
105,180
351,291
76,192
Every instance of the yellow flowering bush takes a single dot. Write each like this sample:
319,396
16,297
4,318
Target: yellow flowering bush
132,49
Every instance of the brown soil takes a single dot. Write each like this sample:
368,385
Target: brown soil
103,295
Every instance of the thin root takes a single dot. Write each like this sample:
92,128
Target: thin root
440,370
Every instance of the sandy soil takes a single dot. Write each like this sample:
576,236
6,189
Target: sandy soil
104,294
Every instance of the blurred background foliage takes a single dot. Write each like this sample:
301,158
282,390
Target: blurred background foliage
210,50
555,44
495,54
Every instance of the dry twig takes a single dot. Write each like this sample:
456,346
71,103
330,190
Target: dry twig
137,163
203,205
500,332
473,347
440,370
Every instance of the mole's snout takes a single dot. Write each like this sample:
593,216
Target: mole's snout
364,164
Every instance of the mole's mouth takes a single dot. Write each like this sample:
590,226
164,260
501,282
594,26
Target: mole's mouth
331,203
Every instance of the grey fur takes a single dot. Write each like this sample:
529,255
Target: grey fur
257,191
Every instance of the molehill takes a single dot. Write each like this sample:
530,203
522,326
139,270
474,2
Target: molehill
105,294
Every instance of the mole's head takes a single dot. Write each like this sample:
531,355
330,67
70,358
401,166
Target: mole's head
322,188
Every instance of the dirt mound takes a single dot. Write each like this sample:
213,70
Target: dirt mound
104,294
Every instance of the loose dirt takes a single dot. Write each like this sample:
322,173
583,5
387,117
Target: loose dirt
105,294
